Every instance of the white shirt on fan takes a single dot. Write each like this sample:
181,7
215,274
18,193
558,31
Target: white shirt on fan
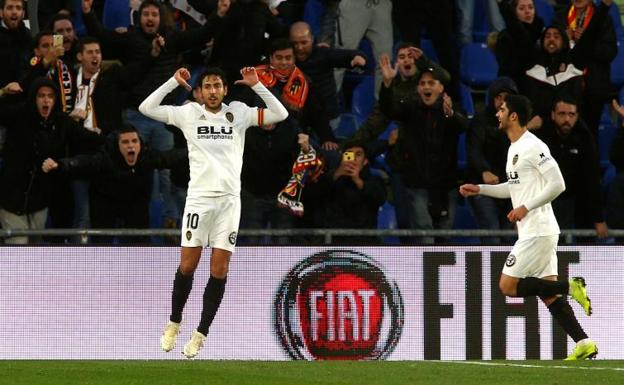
215,140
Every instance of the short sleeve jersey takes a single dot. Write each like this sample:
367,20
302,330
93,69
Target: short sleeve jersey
528,159
215,145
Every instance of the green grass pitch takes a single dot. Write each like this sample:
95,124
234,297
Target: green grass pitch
308,373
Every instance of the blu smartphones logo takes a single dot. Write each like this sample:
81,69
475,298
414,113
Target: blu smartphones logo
337,305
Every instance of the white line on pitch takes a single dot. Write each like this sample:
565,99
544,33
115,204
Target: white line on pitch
524,365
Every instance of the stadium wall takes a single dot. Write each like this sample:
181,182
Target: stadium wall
395,303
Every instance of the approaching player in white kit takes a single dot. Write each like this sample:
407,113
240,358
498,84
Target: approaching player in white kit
533,181
215,133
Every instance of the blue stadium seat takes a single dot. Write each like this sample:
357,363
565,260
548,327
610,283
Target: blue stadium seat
608,175
462,159
607,131
426,45
478,65
347,126
616,19
466,101
363,99
366,47
116,14
545,11
617,66
79,26
464,221
386,219
312,14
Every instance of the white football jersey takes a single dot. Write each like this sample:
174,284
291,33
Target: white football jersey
215,145
528,159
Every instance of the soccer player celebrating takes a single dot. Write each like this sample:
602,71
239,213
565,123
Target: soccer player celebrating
215,133
533,181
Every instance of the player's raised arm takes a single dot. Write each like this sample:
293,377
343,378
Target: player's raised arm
151,105
275,111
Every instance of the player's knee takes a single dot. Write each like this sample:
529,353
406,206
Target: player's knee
187,268
219,271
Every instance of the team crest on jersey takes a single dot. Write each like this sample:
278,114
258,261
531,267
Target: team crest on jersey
189,235
232,237
514,160
229,116
511,260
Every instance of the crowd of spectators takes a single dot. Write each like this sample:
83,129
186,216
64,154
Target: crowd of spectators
76,152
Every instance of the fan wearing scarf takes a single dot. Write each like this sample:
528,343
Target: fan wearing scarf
283,78
585,20
47,63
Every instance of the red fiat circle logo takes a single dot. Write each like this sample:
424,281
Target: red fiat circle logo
338,305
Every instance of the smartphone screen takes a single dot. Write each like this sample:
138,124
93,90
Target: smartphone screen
58,40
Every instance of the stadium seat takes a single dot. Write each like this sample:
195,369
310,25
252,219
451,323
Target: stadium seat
466,101
616,19
116,14
366,47
462,159
545,11
478,65
79,27
312,14
617,67
607,132
426,45
464,221
363,99
608,175
386,219
347,126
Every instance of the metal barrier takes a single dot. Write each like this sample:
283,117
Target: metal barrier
328,235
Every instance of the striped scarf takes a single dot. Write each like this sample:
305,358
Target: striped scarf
294,93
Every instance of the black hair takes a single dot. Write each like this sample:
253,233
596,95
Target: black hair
280,44
351,143
565,98
403,45
3,3
40,35
521,105
210,71
125,129
150,3
58,17
86,40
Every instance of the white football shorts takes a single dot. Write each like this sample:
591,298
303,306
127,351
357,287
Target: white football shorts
211,221
533,257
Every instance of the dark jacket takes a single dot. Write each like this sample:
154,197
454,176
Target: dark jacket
30,140
133,45
577,157
516,45
241,40
319,67
539,90
486,144
601,51
113,181
15,51
403,91
268,158
426,150
346,206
